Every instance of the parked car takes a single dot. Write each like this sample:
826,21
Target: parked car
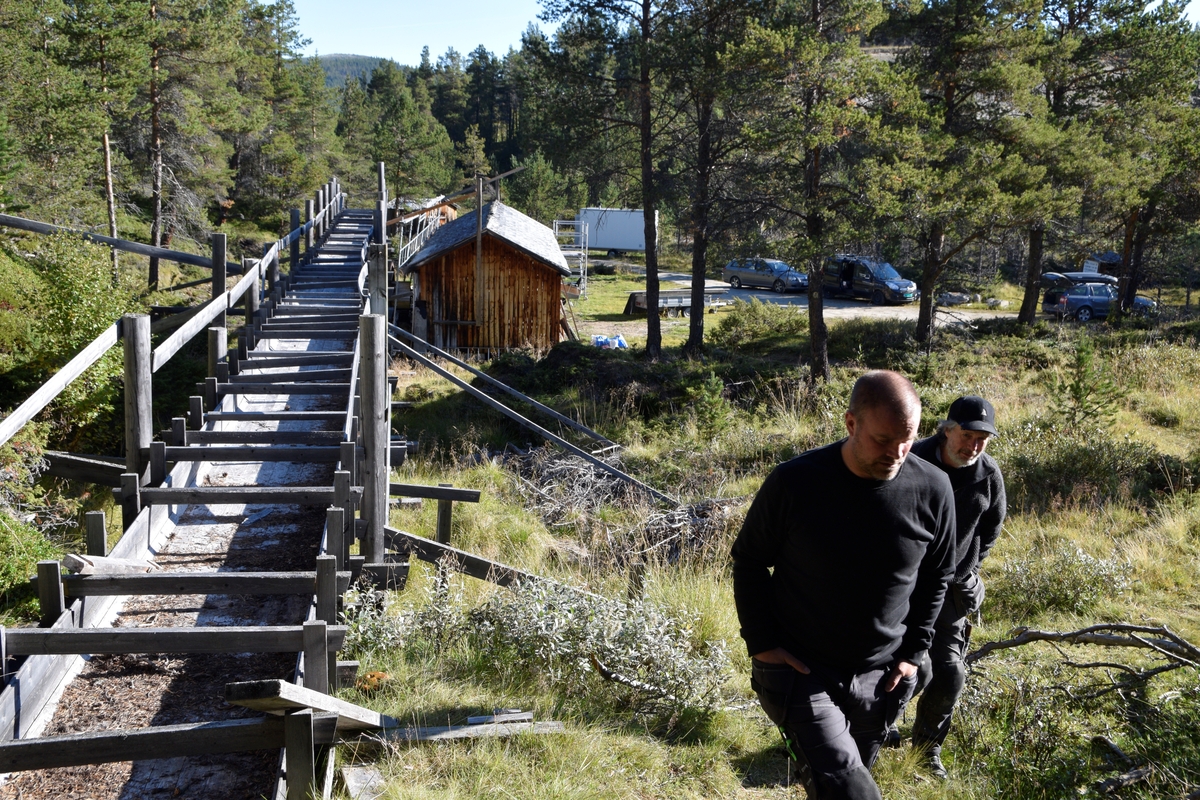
1085,301
877,281
1058,282
766,272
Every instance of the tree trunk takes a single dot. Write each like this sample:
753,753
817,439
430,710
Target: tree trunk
645,122
930,271
700,203
1141,235
1033,275
818,333
156,160
112,205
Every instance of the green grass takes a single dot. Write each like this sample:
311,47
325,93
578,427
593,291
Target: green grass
1103,526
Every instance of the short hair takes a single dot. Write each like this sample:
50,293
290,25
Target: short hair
882,388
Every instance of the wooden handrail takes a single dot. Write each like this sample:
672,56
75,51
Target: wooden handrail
175,342
61,379
178,256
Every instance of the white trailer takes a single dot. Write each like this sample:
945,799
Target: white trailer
616,230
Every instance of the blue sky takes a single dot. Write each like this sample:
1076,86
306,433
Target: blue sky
398,29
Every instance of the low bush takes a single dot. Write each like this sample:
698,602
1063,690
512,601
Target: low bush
1060,577
756,322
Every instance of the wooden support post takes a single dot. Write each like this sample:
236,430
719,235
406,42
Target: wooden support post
308,234
327,589
376,415
232,363
179,431
316,656
138,399
50,591
445,510
131,501
253,302
350,463
299,755
377,282
158,463
210,393
243,348
294,253
327,609
218,349
320,201
97,533
219,283
341,488
335,541
195,412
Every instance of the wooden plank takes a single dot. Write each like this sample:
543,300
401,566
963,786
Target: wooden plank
332,335
161,741
264,437
434,492
61,379
464,562
256,583
279,697
260,375
261,361
508,412
224,639
451,732
295,453
283,387
83,468
118,244
509,716
503,386
175,342
300,755
268,416
298,495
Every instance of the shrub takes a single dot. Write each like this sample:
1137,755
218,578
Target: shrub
1063,579
1047,464
754,321
561,634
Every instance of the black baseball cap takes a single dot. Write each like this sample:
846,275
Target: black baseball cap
973,414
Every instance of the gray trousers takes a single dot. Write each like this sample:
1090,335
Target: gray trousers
833,722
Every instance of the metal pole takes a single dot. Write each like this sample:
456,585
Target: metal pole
138,398
376,411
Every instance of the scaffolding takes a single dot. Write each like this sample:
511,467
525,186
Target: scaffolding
572,236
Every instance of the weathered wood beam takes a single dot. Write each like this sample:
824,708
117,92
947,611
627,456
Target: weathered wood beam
279,697
222,639
434,492
303,582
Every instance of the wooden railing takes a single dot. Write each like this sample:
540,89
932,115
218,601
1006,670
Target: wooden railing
330,202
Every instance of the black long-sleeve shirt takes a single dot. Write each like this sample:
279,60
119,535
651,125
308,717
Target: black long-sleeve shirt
847,571
979,504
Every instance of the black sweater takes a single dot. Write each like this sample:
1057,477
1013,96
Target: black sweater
860,566
979,504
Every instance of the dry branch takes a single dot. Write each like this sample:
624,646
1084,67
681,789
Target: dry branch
1110,785
1164,642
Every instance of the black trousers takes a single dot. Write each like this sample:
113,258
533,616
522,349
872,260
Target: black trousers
941,678
834,722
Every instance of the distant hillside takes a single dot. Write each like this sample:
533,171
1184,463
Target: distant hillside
339,67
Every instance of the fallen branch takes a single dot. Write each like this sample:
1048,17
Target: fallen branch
1166,642
632,683
1110,785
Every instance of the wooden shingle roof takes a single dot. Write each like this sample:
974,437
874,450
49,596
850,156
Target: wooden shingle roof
500,222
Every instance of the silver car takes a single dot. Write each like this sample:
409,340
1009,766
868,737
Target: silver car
768,273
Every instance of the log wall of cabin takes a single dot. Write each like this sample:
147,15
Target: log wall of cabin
521,299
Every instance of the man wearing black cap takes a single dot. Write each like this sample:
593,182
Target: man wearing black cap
979,504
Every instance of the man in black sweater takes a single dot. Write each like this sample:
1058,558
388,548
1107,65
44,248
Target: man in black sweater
979,504
838,574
